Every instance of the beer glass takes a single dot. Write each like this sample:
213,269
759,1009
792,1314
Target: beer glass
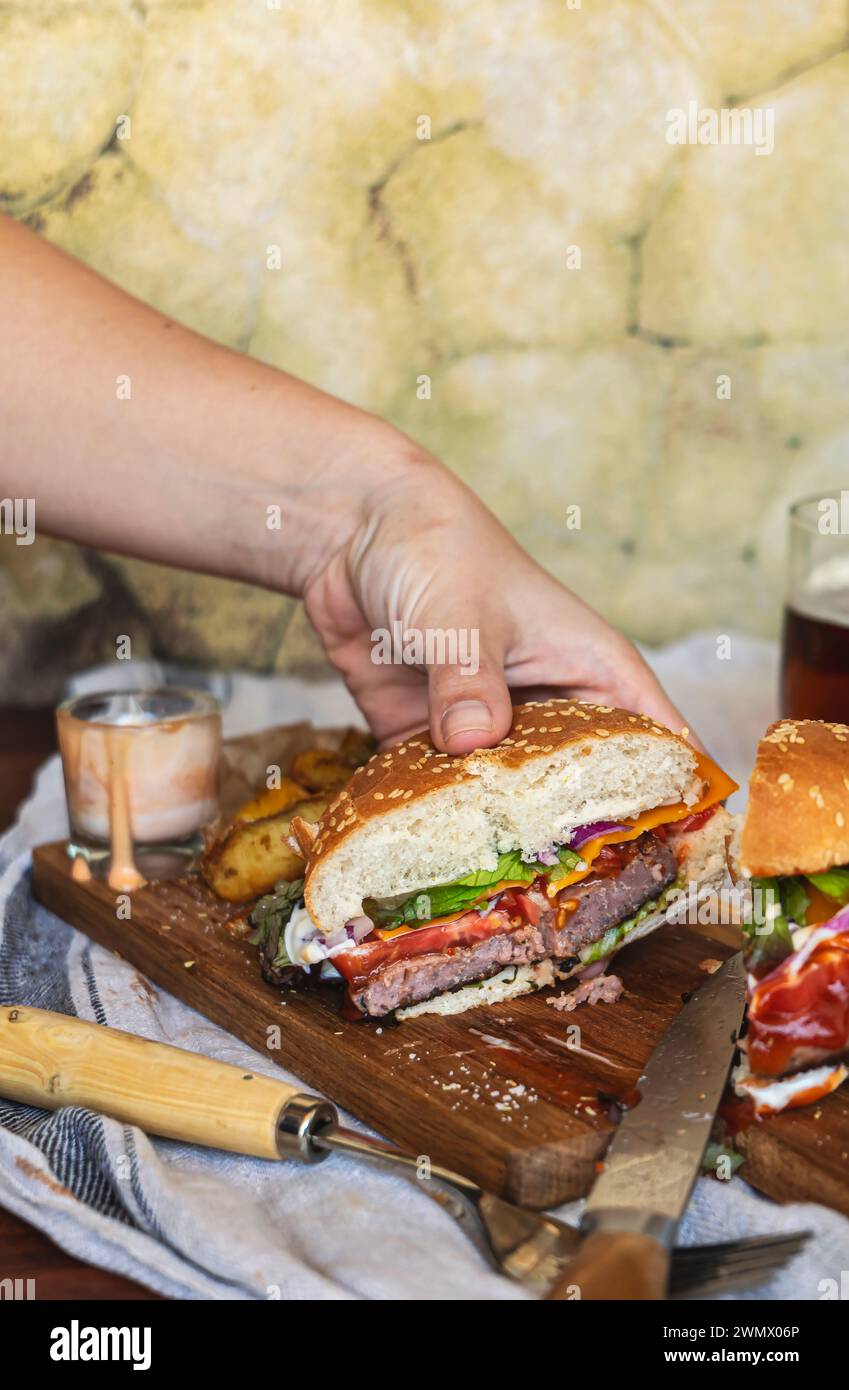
815,654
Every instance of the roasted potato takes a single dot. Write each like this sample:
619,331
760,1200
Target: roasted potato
320,770
254,855
272,801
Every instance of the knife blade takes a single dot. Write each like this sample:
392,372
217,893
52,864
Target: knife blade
654,1157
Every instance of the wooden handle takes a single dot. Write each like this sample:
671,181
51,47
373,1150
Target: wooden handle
616,1264
52,1060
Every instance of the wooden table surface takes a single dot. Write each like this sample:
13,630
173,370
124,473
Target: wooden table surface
26,738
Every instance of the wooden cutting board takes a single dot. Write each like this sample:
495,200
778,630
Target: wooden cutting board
512,1095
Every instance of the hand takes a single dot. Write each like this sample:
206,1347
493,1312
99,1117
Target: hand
429,556
375,531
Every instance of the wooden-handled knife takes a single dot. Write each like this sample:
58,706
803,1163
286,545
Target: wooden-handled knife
632,1214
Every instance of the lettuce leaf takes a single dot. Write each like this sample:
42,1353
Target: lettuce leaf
769,934
834,883
463,892
768,937
270,916
796,899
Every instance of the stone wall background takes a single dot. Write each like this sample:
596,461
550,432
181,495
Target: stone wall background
254,125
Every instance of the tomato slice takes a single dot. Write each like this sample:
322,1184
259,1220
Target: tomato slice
803,1003
694,822
514,909
373,954
524,906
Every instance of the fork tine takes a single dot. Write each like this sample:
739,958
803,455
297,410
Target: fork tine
714,1286
707,1257
721,1283
730,1269
725,1268
745,1266
686,1252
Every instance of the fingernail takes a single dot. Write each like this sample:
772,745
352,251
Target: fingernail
466,717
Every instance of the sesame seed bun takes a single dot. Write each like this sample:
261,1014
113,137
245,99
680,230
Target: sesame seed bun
798,816
412,817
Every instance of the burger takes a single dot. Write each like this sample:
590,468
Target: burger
794,849
437,883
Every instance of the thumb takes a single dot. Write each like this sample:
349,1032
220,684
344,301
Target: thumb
469,702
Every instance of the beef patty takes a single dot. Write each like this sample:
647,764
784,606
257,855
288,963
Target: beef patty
413,978
603,899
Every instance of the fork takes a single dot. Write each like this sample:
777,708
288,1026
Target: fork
52,1060
535,1249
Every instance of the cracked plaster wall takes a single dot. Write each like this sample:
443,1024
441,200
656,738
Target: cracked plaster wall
296,126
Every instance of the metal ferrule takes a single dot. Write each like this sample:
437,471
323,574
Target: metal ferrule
298,1122
634,1221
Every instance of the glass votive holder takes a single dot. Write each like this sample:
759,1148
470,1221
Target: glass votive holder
141,772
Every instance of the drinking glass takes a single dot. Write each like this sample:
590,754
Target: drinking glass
815,649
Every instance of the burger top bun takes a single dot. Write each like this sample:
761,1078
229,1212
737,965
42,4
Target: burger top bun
798,816
412,817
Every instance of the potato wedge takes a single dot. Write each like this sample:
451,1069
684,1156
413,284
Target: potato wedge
254,855
272,801
321,770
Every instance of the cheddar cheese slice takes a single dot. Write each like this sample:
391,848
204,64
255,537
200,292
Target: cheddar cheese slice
718,785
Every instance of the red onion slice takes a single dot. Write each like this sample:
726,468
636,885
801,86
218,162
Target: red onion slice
589,832
547,856
592,972
358,928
